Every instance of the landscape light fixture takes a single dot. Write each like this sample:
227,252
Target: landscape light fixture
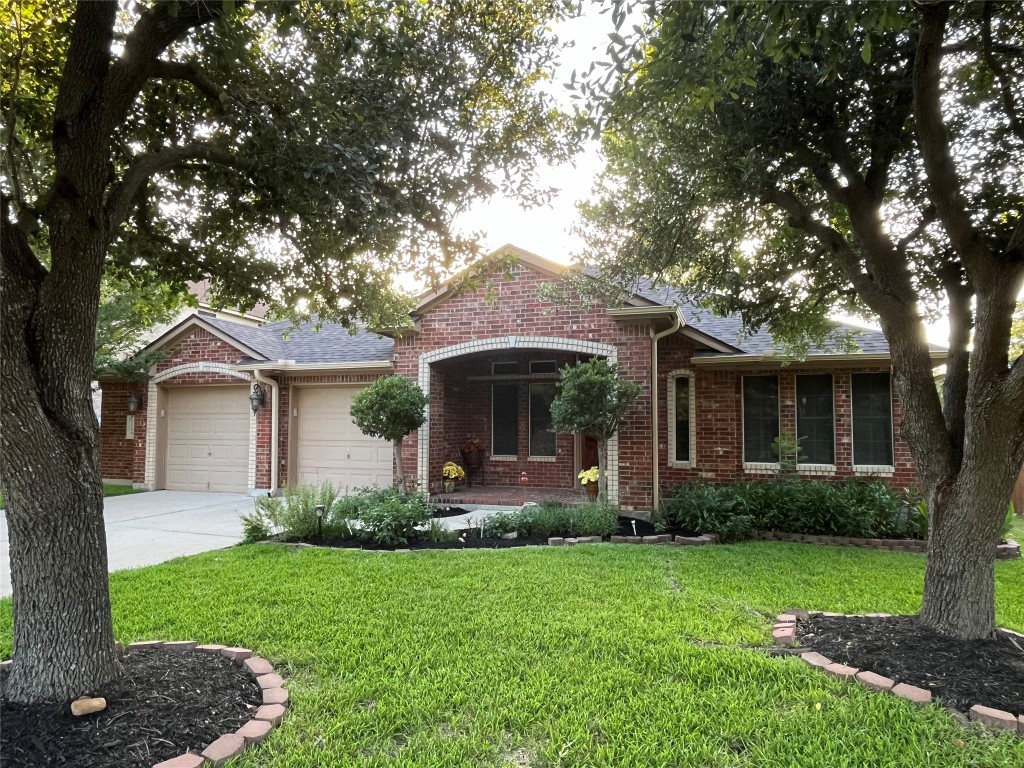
257,398
320,510
134,401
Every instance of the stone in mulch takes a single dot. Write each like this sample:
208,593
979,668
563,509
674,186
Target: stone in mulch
957,672
165,704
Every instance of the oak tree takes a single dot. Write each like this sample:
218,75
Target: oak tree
297,151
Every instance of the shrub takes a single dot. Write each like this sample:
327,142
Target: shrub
551,519
858,508
293,514
500,523
437,532
388,516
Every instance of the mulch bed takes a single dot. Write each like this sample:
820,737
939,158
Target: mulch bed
961,673
167,703
469,538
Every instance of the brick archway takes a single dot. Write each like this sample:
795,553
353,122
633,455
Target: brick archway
555,343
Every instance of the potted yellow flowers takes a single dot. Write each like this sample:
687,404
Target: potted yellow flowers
452,472
588,479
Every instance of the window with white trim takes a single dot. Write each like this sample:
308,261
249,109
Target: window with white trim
871,399
682,412
504,419
542,431
760,418
815,425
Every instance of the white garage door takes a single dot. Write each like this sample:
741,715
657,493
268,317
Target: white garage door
330,447
208,439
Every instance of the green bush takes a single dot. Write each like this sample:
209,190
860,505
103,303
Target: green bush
293,514
387,516
552,519
500,523
857,508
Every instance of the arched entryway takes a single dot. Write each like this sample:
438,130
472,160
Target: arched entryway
495,391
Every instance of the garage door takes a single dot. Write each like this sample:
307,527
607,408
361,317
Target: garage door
330,447
208,439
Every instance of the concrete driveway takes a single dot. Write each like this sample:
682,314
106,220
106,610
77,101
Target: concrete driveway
149,528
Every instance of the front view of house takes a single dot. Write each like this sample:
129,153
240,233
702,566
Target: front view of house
712,403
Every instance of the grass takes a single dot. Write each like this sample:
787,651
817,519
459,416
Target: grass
585,656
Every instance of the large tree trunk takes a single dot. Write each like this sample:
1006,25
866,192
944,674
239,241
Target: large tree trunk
49,465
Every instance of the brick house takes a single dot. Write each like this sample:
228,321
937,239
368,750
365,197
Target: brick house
488,358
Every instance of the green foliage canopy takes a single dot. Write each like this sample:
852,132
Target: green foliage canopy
592,399
390,408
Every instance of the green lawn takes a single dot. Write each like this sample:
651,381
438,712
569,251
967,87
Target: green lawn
587,656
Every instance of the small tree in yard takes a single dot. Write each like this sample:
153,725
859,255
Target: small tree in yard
390,408
592,400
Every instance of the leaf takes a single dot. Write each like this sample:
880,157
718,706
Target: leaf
617,38
865,52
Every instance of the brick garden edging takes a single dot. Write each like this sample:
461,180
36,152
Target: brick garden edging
784,633
267,717
1008,551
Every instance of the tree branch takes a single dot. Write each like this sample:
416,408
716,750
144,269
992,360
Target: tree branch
187,71
950,204
954,388
1005,91
119,202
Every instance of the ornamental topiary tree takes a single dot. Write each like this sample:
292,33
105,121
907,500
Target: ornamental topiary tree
592,400
390,408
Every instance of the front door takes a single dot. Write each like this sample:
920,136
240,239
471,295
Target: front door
588,453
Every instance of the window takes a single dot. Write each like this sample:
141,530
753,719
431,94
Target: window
504,419
814,423
682,402
543,366
760,418
542,433
504,369
872,419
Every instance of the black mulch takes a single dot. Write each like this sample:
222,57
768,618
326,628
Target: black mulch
468,538
167,703
961,673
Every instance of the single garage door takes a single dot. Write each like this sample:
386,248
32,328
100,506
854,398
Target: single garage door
330,447
208,439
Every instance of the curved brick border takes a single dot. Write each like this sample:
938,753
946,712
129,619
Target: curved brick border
267,717
784,633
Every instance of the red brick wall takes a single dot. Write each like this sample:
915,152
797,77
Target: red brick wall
719,418
512,307
118,453
200,346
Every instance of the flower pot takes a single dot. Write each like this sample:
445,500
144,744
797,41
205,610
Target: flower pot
449,485
592,490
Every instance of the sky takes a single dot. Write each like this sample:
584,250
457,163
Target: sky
547,231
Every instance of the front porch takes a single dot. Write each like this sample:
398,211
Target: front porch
507,496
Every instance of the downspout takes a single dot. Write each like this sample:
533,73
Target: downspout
677,323
274,408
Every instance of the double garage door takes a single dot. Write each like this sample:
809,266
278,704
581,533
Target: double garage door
328,446
208,440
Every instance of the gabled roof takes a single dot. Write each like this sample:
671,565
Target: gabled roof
282,341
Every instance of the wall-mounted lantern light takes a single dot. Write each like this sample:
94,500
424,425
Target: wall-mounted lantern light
257,399
134,401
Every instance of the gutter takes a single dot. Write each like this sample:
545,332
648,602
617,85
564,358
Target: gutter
285,366
938,357
677,323
274,408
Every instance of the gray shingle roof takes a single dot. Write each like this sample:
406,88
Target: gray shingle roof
303,343
730,328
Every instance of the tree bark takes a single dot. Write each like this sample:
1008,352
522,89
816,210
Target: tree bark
399,467
602,469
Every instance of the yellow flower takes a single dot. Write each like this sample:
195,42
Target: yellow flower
453,471
588,475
